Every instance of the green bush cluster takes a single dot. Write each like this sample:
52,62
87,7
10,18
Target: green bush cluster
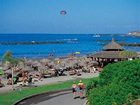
118,84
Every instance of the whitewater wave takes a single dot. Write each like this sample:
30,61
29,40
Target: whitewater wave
74,40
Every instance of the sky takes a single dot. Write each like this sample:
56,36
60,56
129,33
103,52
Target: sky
83,16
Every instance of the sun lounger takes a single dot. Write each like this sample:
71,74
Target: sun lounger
73,72
47,76
1,85
19,83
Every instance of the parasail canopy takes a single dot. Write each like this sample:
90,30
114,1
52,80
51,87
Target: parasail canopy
63,12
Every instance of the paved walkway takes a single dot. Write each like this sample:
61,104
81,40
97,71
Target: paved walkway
63,100
53,80
60,98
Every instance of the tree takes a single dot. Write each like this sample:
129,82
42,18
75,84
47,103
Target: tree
8,57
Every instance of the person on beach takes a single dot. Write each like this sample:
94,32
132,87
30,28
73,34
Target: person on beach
9,77
30,80
74,86
1,84
81,88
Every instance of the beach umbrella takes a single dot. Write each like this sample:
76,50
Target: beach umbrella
1,63
81,63
51,63
9,71
95,63
27,68
41,68
57,59
63,63
45,60
21,64
36,64
29,62
57,66
77,52
33,73
6,68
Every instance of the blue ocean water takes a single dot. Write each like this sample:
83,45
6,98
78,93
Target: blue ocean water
83,43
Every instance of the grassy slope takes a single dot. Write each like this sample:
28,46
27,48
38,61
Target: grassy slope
12,97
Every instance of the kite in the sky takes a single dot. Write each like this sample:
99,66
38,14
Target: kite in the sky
63,12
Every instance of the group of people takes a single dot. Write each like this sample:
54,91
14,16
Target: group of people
24,78
78,89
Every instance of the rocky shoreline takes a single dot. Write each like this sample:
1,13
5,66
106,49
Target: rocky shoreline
130,44
32,42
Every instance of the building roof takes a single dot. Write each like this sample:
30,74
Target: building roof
112,46
113,50
115,54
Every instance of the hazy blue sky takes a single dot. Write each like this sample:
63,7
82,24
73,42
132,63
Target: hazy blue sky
83,16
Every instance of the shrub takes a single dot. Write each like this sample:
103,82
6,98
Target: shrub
93,83
117,84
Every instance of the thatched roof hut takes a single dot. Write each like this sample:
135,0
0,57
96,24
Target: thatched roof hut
113,52
113,46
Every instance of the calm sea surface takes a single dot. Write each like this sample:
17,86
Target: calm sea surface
83,43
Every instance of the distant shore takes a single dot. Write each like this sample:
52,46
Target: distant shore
134,33
130,44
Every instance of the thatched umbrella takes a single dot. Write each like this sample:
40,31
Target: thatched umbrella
45,61
29,62
81,63
57,66
51,63
21,64
28,68
94,63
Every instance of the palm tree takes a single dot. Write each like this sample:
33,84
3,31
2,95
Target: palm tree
7,57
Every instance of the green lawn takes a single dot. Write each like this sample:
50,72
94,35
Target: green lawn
12,97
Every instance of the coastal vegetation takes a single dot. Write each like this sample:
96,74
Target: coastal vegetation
118,84
130,44
14,96
121,42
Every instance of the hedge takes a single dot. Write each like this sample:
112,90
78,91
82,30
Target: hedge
118,84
